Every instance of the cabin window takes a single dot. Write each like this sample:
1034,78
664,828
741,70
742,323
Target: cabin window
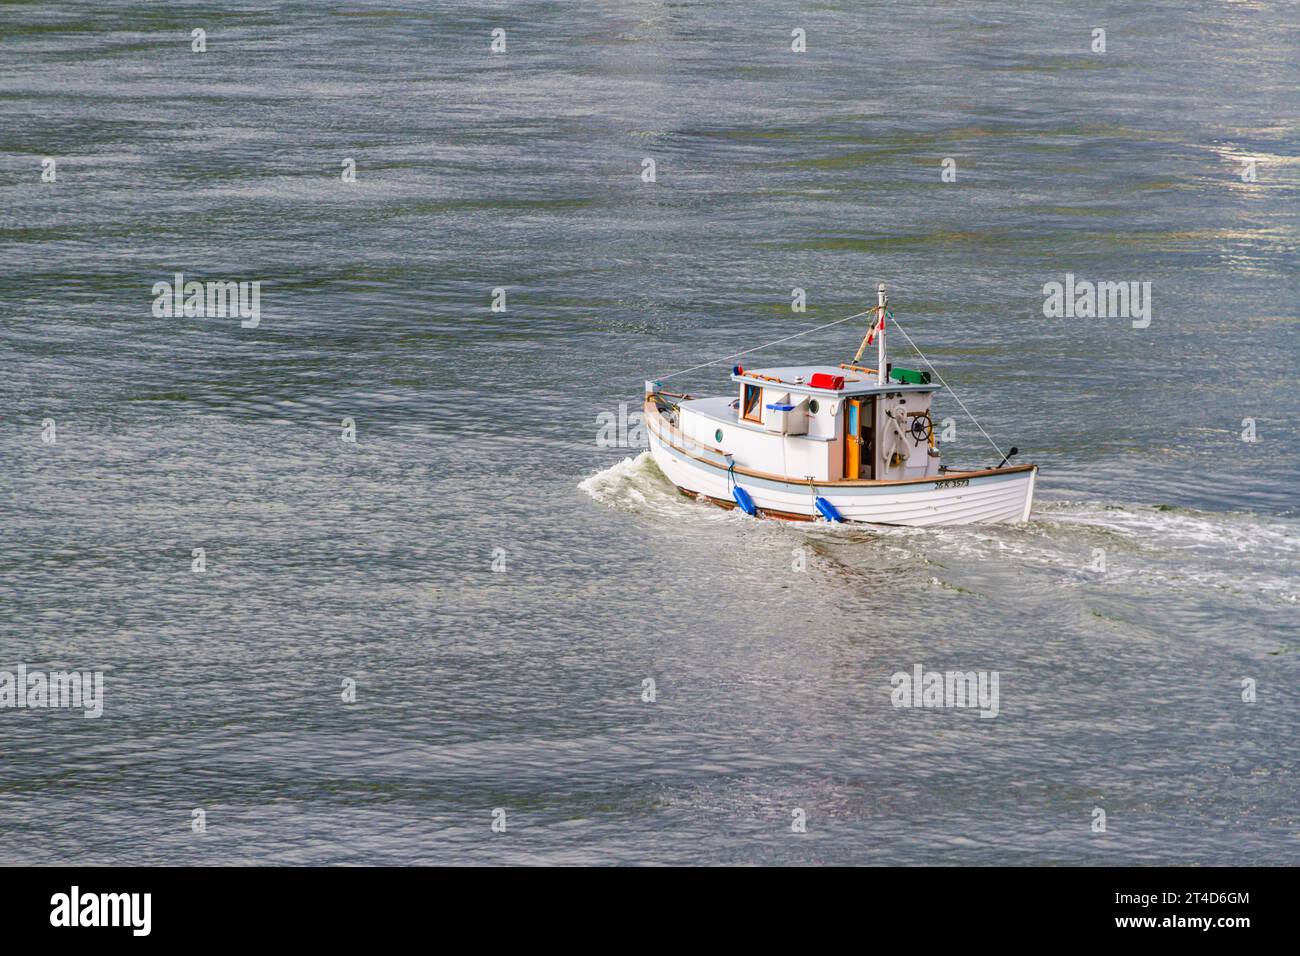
717,436
813,407
753,403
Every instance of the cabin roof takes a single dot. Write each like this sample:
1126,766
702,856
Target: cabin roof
855,383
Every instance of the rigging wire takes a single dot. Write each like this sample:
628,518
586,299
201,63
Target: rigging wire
948,387
758,348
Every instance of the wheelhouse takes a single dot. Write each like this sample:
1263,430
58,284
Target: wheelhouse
825,423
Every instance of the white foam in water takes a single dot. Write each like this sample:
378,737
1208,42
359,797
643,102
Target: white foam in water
637,484
1145,545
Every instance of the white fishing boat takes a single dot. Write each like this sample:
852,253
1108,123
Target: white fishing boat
837,442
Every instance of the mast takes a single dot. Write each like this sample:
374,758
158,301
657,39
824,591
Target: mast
877,328
882,375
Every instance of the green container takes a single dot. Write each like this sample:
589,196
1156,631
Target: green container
909,376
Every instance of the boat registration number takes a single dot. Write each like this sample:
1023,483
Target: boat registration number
952,483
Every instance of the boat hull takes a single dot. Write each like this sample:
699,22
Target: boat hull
979,497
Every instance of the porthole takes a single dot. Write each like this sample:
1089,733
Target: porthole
717,436
813,407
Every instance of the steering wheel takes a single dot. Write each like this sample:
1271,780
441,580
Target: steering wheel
922,429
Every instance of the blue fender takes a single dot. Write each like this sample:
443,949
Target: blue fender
743,500
828,510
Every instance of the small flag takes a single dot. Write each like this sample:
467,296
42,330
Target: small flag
878,327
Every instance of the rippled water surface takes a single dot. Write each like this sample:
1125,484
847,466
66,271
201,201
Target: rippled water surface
477,431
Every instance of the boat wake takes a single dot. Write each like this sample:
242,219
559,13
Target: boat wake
1153,547
1079,543
637,484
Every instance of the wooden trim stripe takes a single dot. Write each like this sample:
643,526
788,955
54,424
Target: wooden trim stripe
731,506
